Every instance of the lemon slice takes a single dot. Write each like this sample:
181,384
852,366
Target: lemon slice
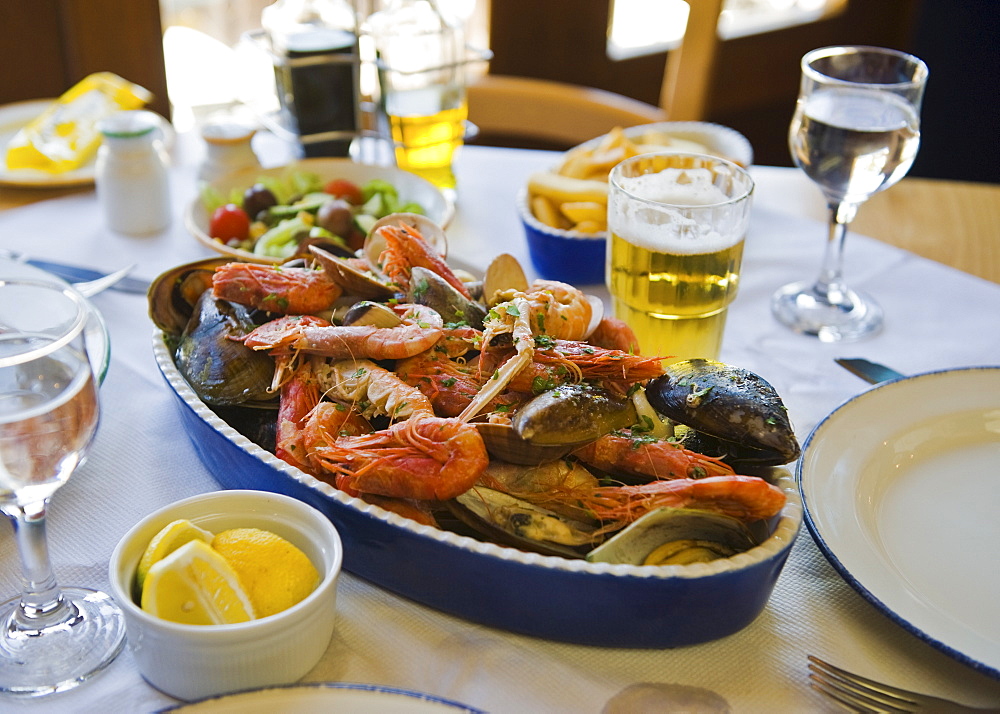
194,585
275,573
171,537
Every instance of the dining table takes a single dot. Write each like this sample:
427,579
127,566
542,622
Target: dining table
929,251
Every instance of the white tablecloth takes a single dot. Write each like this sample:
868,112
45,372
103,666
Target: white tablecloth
142,459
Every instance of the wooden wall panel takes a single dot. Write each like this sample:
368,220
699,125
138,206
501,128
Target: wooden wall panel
49,45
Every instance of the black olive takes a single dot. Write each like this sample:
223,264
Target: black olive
258,198
336,216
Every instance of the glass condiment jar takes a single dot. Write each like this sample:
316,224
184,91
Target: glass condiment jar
314,44
133,187
228,148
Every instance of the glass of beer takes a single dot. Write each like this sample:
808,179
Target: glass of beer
676,225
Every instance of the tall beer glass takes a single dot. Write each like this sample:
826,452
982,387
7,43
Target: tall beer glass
676,225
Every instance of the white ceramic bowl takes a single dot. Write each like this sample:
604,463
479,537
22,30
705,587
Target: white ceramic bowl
195,661
578,258
410,187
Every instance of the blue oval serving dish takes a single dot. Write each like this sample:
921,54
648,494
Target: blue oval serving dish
570,600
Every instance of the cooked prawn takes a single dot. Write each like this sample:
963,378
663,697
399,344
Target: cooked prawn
748,498
405,249
420,329
373,390
614,334
305,422
287,291
424,458
558,362
649,458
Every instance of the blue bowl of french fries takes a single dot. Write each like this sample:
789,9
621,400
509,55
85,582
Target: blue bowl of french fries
564,210
570,256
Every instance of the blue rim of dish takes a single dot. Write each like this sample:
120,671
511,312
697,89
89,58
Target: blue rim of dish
375,688
842,569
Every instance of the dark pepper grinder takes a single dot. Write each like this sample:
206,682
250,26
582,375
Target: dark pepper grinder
314,46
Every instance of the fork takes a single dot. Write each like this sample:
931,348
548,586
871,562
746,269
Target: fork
866,696
89,288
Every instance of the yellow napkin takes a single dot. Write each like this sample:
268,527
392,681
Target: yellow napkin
65,135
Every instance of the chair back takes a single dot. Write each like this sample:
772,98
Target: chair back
548,114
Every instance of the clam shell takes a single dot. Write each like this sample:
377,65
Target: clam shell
367,312
354,282
503,273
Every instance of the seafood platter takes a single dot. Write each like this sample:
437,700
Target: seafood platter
492,448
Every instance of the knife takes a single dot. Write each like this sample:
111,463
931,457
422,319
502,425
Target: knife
871,372
73,274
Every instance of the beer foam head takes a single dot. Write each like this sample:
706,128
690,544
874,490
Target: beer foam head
664,224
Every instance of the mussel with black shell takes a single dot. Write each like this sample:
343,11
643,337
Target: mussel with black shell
735,413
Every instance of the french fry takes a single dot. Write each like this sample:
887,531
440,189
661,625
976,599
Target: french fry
580,211
546,211
563,188
591,226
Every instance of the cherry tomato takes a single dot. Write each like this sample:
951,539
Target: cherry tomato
347,190
229,222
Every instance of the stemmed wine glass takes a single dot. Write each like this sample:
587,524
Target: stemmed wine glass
52,638
855,132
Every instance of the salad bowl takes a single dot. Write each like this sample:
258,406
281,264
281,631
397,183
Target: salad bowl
410,189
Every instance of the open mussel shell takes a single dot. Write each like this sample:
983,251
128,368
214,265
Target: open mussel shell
676,536
221,370
573,414
430,289
174,293
503,443
354,282
511,521
726,402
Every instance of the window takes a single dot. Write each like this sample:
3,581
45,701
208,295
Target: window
639,27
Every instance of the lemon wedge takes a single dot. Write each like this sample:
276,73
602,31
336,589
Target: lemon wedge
275,573
195,585
171,537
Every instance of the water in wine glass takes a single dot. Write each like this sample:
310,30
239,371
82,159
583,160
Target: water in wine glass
855,132
854,142
52,638
48,415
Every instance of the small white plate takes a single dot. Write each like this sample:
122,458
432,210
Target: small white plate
902,493
96,331
334,696
12,118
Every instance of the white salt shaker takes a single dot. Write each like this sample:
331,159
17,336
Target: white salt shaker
131,174
228,149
